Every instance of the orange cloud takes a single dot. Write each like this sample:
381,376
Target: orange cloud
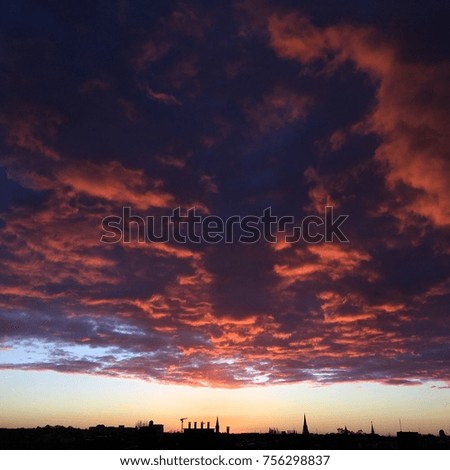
278,109
162,97
335,261
151,51
33,129
114,182
410,113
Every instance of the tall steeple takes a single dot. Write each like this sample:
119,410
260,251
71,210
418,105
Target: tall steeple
305,427
217,425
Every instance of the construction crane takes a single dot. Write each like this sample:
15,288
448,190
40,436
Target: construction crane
182,423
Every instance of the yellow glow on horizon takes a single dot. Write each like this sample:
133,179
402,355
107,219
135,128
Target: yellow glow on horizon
30,399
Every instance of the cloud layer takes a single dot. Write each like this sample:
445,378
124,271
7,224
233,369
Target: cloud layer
230,110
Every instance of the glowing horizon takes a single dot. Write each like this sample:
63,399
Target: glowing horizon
82,401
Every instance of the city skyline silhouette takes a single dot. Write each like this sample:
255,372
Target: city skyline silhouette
203,435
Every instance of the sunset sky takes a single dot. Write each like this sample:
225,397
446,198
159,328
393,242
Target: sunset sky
231,108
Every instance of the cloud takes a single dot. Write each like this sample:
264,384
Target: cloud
151,51
114,183
187,21
33,129
183,22
277,111
409,111
95,84
335,261
162,97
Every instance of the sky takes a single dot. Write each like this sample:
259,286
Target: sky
229,108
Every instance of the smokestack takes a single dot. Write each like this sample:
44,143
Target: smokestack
208,425
228,429
195,424
189,425
201,425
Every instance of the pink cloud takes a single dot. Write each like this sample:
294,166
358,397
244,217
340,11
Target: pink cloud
410,110
278,109
113,182
33,129
162,97
335,261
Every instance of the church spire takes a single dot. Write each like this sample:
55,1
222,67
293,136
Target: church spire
305,427
217,425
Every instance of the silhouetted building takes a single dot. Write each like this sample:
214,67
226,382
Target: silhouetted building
408,440
155,429
199,437
217,425
305,427
199,431
150,437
